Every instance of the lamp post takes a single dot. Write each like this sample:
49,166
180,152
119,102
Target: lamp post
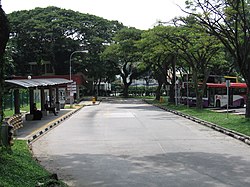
70,73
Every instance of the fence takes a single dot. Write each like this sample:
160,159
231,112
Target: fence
8,99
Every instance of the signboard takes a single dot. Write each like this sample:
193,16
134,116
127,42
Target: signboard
72,88
228,83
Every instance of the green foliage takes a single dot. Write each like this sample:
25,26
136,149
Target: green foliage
229,22
125,57
154,45
20,169
52,34
142,90
159,55
201,51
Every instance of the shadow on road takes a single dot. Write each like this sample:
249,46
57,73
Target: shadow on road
170,169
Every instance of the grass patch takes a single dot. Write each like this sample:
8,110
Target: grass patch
25,108
70,106
10,112
20,169
234,122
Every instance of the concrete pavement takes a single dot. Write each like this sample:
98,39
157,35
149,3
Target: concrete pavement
129,143
35,128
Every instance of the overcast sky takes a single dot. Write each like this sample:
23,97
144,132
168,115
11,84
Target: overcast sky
142,14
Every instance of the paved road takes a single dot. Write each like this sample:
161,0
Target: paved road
132,144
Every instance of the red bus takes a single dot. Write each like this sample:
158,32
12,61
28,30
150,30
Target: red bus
216,95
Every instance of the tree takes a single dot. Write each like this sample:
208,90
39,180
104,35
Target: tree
124,55
229,21
198,49
4,37
52,34
160,56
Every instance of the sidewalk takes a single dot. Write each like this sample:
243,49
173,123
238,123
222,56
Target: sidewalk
32,127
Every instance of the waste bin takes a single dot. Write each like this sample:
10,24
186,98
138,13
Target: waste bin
62,105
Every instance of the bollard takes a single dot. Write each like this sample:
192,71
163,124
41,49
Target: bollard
93,100
161,99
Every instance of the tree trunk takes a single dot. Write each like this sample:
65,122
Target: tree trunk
198,91
172,86
172,93
199,101
1,89
146,89
4,37
158,91
125,90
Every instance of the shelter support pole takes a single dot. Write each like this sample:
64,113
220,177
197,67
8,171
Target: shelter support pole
50,96
42,99
31,97
57,99
16,101
78,92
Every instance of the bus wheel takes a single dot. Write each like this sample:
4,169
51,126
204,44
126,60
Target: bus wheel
217,104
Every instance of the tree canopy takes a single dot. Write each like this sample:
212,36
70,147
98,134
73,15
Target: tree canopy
201,51
229,21
125,56
52,34
160,55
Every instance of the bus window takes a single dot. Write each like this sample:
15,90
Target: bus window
220,91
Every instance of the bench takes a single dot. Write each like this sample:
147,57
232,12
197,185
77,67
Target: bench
16,121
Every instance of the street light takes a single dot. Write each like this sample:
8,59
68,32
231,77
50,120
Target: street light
70,73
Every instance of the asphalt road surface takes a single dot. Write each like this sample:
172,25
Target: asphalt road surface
132,144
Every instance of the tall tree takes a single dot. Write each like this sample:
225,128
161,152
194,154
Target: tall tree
125,56
4,37
52,34
200,50
160,56
229,21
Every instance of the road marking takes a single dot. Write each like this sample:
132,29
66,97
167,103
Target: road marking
118,115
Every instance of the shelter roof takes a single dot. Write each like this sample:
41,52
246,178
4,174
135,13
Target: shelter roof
33,83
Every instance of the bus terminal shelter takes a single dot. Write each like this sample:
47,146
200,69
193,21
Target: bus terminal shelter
50,84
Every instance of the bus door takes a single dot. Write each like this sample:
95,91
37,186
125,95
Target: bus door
210,96
230,98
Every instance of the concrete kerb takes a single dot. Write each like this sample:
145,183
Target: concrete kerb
52,125
90,103
234,134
